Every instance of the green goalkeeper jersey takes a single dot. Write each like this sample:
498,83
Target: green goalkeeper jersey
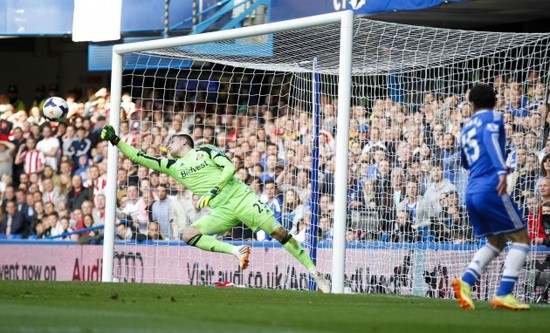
200,170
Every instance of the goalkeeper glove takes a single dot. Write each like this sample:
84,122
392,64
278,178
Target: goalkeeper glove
108,133
205,199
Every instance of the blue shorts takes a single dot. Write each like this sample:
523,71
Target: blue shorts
491,214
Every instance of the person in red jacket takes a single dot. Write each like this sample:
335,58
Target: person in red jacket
534,220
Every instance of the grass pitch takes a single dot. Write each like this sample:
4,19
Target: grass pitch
116,307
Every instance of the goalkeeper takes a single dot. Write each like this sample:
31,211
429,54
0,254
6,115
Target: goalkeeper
208,173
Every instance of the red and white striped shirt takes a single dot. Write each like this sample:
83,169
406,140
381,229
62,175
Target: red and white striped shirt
99,184
33,161
129,139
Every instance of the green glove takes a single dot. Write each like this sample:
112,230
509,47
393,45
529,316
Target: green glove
205,199
108,133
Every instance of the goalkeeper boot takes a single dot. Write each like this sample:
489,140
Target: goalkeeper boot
323,285
509,302
463,293
242,253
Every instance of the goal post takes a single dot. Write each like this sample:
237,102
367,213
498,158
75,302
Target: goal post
382,179
345,19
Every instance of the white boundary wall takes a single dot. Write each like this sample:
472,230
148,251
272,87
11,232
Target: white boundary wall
397,274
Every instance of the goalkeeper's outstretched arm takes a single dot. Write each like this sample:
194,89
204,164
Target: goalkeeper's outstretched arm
134,154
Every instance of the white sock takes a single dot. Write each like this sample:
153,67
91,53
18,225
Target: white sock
512,265
480,260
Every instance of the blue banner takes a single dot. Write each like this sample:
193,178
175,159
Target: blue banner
55,17
379,6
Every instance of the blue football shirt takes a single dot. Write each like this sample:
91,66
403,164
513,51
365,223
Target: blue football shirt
483,142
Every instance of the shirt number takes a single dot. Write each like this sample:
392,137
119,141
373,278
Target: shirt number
470,146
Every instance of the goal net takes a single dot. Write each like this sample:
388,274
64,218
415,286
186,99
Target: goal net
378,165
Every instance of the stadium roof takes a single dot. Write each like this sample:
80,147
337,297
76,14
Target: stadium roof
520,16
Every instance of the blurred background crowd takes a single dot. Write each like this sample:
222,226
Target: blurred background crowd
405,183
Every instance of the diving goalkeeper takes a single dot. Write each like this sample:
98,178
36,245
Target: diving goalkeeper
208,173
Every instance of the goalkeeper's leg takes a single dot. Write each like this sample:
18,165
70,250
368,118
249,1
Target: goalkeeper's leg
199,234
295,248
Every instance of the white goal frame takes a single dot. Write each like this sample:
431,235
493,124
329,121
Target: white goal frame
345,18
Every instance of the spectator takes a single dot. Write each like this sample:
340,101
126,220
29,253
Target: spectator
13,222
7,195
378,154
270,199
131,201
33,160
99,210
536,227
384,193
154,232
525,179
64,187
403,231
374,140
270,172
351,236
81,146
66,168
6,157
515,161
327,186
49,146
398,185
39,214
87,207
67,140
326,226
67,229
82,166
545,222
49,208
95,181
57,228
436,188
180,205
88,222
23,207
303,185
77,194
292,209
144,211
126,231
161,213
38,232
534,218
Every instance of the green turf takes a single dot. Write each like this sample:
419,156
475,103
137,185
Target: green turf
97,307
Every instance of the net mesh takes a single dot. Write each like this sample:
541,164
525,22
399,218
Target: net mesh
407,228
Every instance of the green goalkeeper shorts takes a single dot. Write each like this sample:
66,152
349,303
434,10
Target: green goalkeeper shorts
243,206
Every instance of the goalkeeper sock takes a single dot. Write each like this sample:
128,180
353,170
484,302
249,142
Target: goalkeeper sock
480,260
513,263
298,252
210,243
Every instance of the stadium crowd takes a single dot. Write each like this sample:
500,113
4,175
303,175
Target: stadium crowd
405,183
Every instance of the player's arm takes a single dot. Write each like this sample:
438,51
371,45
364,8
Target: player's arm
137,156
491,140
134,154
464,159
